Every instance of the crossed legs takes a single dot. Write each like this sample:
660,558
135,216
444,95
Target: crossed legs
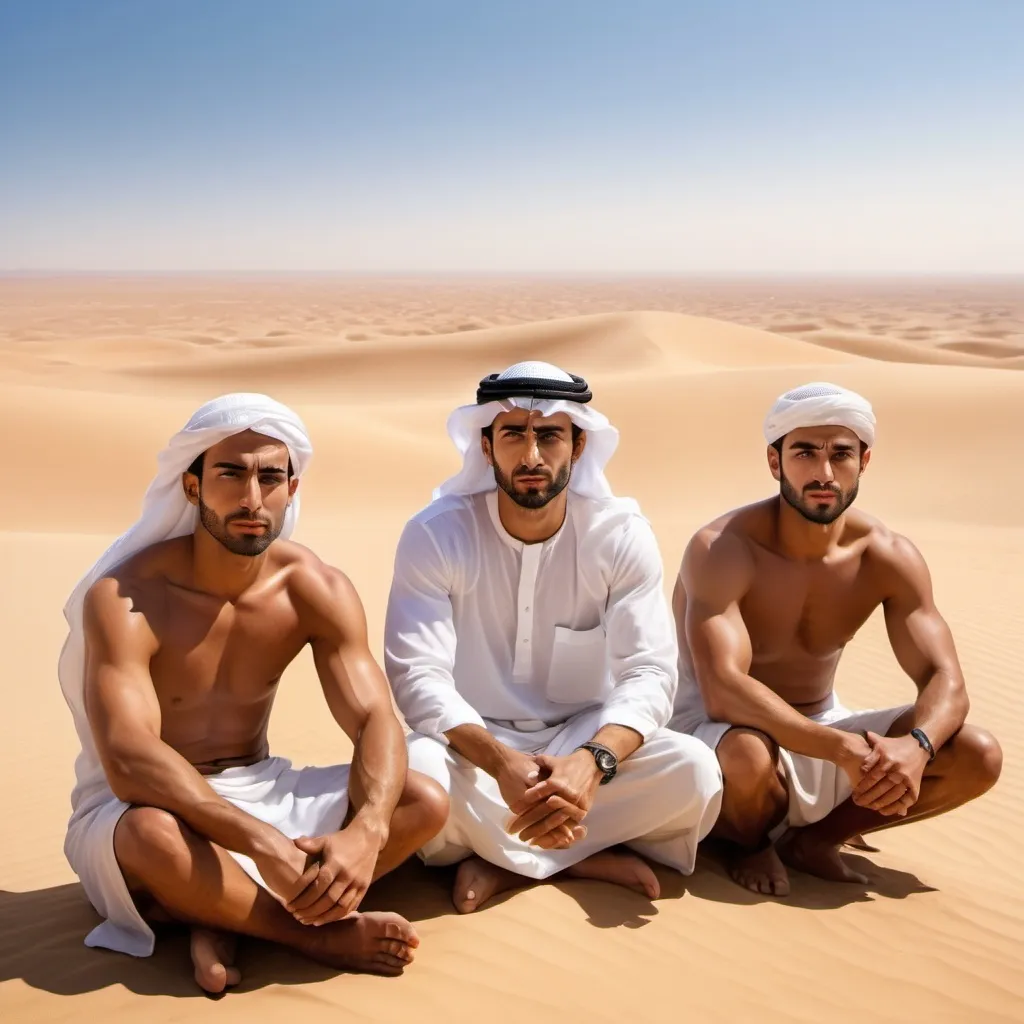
756,800
177,875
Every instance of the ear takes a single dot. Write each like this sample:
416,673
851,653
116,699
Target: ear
864,460
293,486
190,485
577,448
485,447
774,463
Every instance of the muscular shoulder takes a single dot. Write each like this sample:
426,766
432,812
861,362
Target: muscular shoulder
322,594
896,560
122,599
719,561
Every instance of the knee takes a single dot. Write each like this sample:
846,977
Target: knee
427,803
978,758
148,837
694,768
749,761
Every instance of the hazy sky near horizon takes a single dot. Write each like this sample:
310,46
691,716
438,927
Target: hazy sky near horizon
621,135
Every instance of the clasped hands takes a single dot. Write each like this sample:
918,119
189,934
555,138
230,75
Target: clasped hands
323,878
548,796
888,776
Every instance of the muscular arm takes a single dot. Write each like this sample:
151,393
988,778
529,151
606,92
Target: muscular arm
124,714
358,696
923,645
716,573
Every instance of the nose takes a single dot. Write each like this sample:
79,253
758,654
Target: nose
828,473
531,456
252,498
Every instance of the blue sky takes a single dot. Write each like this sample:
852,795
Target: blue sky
652,135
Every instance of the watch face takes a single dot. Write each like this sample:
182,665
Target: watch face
605,761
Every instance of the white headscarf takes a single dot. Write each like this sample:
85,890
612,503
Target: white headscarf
466,422
167,513
820,404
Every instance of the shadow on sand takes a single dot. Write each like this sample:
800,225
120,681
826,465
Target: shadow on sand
41,931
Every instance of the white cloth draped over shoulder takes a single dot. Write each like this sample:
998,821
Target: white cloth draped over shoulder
167,513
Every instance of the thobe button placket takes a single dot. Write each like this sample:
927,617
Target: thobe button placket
522,668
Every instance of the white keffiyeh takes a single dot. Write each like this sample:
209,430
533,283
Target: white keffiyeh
466,422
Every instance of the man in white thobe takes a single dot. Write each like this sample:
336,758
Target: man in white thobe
530,647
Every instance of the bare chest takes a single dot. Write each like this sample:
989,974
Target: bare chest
807,611
219,656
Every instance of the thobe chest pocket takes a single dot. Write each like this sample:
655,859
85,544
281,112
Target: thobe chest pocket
579,666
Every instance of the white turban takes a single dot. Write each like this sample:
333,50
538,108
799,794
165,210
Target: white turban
167,513
820,405
466,422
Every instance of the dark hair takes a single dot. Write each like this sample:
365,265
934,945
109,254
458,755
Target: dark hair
777,445
196,469
489,434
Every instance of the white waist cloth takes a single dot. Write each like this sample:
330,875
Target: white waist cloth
663,801
816,787
297,802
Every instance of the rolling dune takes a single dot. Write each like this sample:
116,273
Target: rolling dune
95,375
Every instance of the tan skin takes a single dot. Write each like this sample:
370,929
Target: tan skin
548,797
768,601
186,645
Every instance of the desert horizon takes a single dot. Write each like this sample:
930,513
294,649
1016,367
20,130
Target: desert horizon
95,375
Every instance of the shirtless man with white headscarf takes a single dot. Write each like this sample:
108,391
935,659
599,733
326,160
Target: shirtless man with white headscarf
529,644
178,639
767,598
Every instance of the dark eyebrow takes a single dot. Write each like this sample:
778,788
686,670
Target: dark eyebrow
844,446
540,430
807,446
244,469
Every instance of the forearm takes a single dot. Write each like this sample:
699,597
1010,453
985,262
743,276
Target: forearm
158,776
941,707
478,746
747,702
619,739
379,766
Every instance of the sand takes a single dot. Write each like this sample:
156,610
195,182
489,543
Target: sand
95,374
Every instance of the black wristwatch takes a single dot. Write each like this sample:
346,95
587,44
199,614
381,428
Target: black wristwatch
922,738
605,758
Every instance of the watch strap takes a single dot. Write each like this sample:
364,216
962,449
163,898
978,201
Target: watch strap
922,738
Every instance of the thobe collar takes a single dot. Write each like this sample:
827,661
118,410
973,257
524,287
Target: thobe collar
491,497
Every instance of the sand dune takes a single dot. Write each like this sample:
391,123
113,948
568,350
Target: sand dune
937,932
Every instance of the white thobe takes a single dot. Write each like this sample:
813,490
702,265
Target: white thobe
543,644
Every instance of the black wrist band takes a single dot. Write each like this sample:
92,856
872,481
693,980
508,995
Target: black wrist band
922,738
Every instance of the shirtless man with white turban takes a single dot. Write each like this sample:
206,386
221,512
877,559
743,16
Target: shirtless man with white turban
767,598
529,644
178,639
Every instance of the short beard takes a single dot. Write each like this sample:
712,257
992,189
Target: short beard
533,497
248,544
824,515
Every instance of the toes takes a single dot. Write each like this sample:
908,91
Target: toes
213,979
234,976
387,960
781,886
397,948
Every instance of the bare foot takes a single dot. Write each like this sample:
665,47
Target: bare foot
761,871
381,943
477,881
823,860
213,957
621,869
